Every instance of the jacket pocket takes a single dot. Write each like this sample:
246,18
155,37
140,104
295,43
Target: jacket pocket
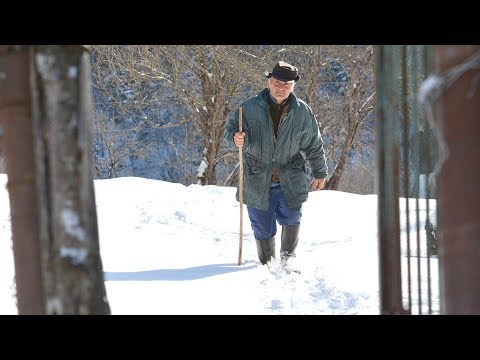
296,162
296,174
254,174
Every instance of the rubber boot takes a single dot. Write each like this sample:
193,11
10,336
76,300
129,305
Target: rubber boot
266,250
289,242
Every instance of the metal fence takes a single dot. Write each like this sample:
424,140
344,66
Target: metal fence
406,149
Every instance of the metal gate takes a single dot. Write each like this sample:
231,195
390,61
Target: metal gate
406,149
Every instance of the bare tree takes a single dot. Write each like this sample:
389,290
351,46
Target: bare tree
360,103
209,81
182,161
203,82
120,117
115,146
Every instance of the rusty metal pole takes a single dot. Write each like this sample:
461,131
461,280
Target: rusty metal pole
387,150
15,114
458,116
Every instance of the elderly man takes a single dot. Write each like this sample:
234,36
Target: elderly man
280,139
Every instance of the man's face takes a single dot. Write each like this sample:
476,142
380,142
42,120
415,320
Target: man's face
280,90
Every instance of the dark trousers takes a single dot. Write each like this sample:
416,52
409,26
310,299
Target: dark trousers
264,222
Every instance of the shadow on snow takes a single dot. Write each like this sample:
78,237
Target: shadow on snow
193,273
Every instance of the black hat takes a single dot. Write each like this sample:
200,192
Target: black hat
284,72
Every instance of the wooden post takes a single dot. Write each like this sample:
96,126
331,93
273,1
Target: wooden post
15,114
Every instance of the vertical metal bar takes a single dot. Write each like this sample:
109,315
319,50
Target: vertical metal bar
388,205
427,68
406,166
415,112
15,111
458,114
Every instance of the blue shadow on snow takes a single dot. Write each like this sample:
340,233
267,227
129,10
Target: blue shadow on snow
194,273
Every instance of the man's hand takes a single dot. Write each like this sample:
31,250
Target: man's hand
238,138
317,184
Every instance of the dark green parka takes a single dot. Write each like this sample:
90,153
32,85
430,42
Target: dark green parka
298,144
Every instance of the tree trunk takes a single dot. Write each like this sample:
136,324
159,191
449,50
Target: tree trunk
62,112
334,180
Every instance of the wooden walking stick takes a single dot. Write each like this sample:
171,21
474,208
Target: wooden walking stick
240,187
